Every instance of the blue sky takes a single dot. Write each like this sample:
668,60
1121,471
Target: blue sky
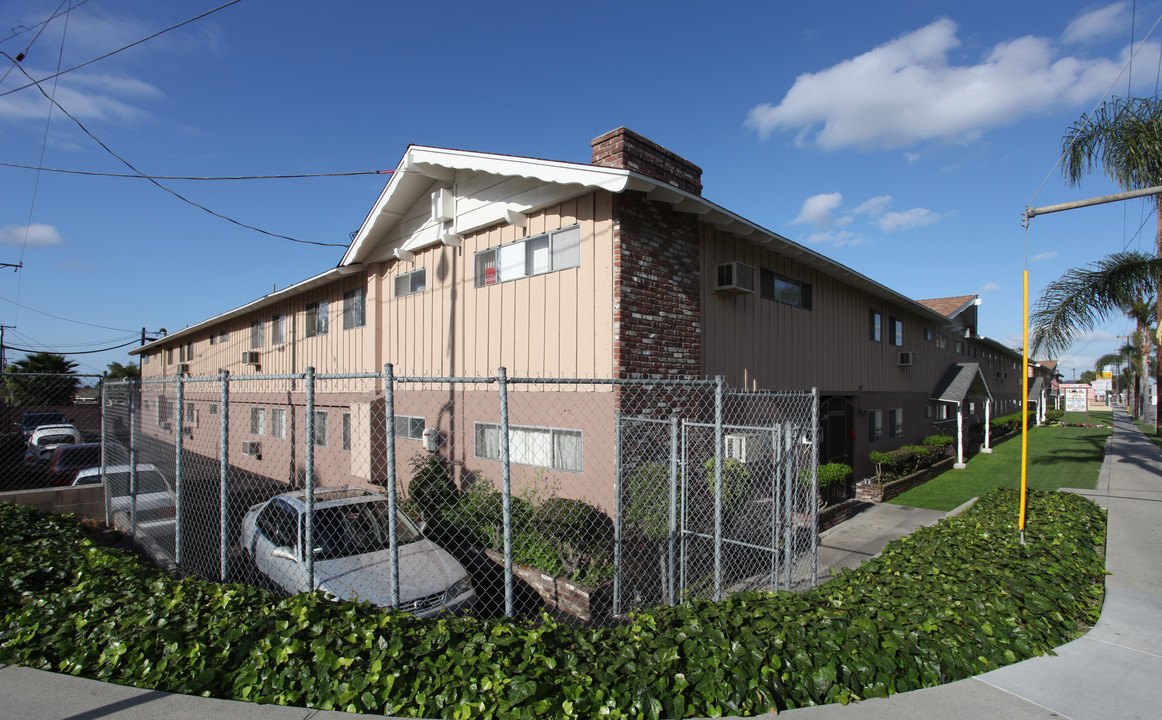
903,139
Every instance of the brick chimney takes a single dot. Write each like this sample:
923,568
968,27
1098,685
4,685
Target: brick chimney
625,149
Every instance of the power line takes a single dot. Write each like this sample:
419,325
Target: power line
191,177
109,54
57,13
20,55
79,352
28,340
176,194
58,317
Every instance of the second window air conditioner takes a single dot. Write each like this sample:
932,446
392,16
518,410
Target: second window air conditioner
252,447
907,359
735,277
251,357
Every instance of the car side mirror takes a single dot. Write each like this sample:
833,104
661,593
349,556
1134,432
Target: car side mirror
285,553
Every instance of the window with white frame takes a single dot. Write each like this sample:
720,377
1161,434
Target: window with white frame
346,431
895,422
317,318
257,421
409,427
411,282
257,334
278,423
354,308
145,359
320,438
875,424
537,255
556,448
278,329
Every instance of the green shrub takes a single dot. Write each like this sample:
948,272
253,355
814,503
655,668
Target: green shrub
581,534
645,499
883,462
431,487
1054,416
938,441
945,603
833,474
737,485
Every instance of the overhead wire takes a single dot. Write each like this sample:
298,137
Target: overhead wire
198,177
30,28
176,194
28,340
79,352
42,25
121,49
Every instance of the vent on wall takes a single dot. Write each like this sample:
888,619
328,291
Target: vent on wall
735,277
907,359
251,447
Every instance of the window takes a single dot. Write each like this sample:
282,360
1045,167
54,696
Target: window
191,414
346,431
959,347
169,356
875,424
413,282
186,352
555,448
875,325
895,422
409,427
212,408
223,336
258,421
972,350
941,341
278,329
780,288
545,253
355,308
928,334
278,423
927,412
316,318
257,333
896,332
144,359
320,439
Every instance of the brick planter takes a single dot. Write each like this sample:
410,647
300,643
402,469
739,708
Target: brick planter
585,603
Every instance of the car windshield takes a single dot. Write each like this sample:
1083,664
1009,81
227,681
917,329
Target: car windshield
148,482
32,420
357,528
54,439
79,457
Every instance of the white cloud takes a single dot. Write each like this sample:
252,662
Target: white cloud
912,157
906,220
1044,256
907,91
988,287
86,96
35,235
836,239
818,209
1100,24
874,207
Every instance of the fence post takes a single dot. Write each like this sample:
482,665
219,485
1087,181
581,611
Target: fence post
223,473
814,459
789,497
177,472
777,511
309,481
671,580
392,507
134,423
617,513
506,492
719,383
104,446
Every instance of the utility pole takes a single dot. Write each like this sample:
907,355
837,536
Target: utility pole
3,360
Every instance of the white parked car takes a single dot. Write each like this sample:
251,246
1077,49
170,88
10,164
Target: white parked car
351,550
156,500
46,438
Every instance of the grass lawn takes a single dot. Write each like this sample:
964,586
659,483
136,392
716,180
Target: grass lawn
1058,457
1105,417
1148,431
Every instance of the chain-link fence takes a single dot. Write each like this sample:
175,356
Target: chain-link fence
507,495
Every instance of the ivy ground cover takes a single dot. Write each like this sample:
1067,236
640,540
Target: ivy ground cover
948,602
1059,457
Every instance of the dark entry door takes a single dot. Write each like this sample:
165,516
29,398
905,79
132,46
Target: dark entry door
835,417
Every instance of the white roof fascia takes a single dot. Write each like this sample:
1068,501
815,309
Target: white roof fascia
267,300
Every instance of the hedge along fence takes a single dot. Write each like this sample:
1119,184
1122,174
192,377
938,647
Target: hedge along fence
948,602
903,461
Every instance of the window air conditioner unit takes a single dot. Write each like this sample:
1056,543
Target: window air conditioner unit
907,359
735,277
183,368
746,447
1000,375
251,357
252,447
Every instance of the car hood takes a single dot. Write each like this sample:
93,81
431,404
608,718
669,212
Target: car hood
424,569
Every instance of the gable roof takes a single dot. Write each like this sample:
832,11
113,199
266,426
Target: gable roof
961,380
950,307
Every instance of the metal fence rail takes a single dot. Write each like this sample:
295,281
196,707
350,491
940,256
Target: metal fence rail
512,495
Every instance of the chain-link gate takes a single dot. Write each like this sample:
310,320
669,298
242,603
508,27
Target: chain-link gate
707,509
512,496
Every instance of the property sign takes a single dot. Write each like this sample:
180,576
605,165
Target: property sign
1076,400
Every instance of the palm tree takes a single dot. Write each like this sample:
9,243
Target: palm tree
1123,139
41,379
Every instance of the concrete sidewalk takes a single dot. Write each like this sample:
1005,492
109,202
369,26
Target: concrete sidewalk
1112,672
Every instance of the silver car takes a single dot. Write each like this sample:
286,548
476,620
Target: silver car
352,555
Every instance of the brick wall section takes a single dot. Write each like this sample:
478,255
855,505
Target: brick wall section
623,148
656,284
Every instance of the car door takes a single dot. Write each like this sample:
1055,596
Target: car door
276,546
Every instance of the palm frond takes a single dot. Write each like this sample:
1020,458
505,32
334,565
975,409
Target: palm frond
1122,138
1082,298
